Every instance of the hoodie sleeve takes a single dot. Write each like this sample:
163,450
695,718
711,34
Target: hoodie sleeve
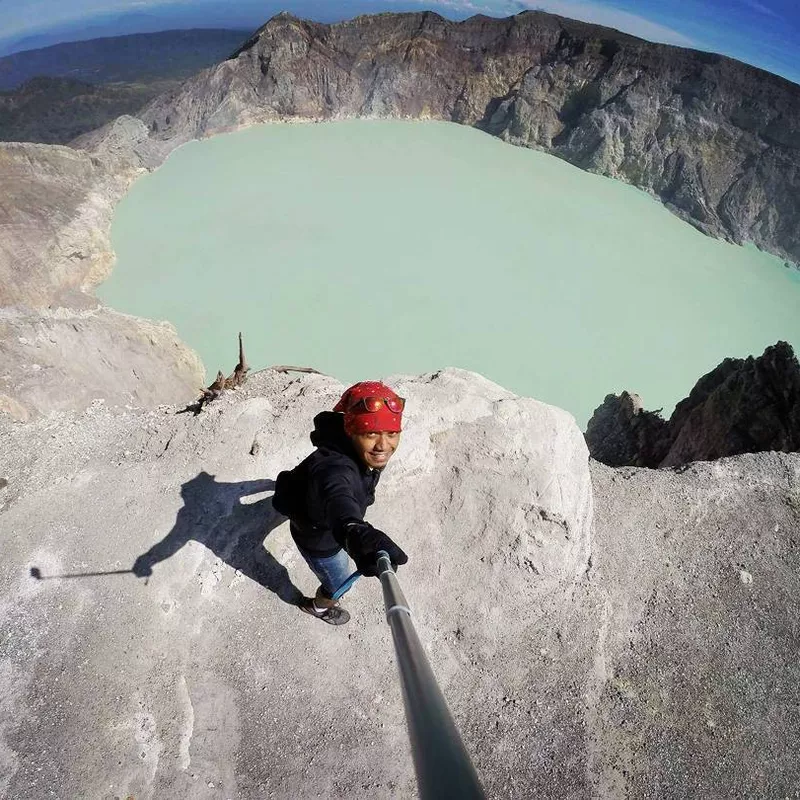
337,490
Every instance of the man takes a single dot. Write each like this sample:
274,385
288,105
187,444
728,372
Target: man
327,495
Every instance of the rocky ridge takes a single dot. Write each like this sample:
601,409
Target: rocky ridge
58,348
742,406
716,140
598,633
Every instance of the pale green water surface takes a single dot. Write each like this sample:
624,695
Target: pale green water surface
369,248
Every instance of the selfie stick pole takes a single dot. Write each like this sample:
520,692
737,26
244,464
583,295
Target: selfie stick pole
444,770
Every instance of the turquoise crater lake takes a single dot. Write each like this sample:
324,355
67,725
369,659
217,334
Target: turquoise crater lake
367,248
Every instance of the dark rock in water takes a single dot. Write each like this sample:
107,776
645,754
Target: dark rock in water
743,406
621,433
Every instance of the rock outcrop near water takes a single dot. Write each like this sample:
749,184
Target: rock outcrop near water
716,140
646,648
742,406
58,349
65,359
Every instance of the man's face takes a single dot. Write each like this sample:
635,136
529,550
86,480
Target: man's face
376,448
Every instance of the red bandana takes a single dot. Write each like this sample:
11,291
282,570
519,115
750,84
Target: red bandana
358,419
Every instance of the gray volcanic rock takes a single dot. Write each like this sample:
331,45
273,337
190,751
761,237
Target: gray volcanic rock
57,204
716,140
208,682
62,360
698,635
742,406
651,652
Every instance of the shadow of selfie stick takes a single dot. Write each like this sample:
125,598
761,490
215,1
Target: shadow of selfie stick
36,573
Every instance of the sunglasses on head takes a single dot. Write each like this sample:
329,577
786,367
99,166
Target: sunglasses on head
372,404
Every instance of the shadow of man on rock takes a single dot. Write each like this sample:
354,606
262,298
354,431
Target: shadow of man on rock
214,515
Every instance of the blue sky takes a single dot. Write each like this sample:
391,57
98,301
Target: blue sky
761,32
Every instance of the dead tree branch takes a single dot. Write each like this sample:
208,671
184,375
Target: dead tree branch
234,380
287,368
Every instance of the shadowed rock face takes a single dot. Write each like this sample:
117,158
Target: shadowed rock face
743,406
622,434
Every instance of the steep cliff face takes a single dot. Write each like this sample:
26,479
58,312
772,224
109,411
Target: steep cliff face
58,350
744,405
717,141
57,204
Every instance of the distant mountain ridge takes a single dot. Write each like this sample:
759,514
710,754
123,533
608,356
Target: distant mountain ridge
137,57
57,110
54,94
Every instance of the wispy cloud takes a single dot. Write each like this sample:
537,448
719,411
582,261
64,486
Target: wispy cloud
761,8
584,10
611,18
466,6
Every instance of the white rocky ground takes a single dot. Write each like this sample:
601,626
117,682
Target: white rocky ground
650,652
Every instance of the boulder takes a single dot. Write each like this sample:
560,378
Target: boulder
207,680
621,433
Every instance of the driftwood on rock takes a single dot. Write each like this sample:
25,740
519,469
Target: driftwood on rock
240,371
235,379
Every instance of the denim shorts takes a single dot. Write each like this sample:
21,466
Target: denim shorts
332,571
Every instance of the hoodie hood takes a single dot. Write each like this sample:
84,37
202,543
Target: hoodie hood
329,433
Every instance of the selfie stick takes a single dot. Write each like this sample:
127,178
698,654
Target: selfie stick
444,770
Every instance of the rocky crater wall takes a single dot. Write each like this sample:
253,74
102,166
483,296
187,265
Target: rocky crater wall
717,141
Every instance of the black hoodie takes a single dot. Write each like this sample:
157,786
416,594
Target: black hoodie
339,488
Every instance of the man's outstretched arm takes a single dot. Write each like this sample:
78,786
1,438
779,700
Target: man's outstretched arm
361,540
